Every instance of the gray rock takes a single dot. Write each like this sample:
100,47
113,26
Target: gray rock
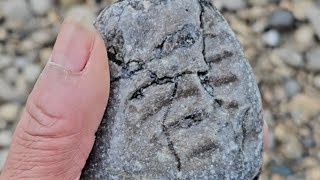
281,19
183,102
313,61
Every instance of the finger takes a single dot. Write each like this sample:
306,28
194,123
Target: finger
57,129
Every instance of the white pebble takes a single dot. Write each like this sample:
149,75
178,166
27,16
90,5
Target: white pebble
9,112
31,72
5,138
41,7
271,38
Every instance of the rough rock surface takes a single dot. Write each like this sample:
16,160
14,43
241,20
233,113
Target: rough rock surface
184,103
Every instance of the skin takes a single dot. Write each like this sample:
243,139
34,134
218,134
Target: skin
57,129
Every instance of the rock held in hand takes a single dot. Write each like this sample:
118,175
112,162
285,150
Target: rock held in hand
183,101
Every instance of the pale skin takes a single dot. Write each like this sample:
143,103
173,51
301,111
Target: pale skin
56,131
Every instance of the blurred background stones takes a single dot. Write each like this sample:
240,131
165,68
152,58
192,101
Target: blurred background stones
281,39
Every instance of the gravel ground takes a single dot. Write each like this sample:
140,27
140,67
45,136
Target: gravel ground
281,39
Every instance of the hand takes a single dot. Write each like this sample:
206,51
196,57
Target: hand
57,129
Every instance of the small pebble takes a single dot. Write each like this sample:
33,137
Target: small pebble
44,55
316,81
313,15
280,169
31,72
5,138
313,173
11,74
84,11
281,19
290,57
41,7
22,86
3,34
303,107
258,2
271,38
7,93
16,12
292,87
43,37
304,37
3,125
5,61
276,177
9,112
69,3
292,148
231,5
313,61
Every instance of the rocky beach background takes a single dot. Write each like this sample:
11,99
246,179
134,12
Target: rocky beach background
281,39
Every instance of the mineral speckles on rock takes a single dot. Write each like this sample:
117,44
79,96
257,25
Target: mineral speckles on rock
183,102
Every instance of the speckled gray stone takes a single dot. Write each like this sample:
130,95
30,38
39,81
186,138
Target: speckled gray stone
184,103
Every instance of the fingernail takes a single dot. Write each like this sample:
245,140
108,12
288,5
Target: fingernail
74,43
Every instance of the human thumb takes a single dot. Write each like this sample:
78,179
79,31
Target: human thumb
57,129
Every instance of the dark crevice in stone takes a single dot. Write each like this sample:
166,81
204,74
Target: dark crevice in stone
189,121
158,2
160,81
204,80
188,35
233,105
224,79
137,95
167,134
243,128
174,91
241,132
258,175
203,37
211,35
203,75
136,5
127,70
219,57
115,46
219,102
202,149
112,56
